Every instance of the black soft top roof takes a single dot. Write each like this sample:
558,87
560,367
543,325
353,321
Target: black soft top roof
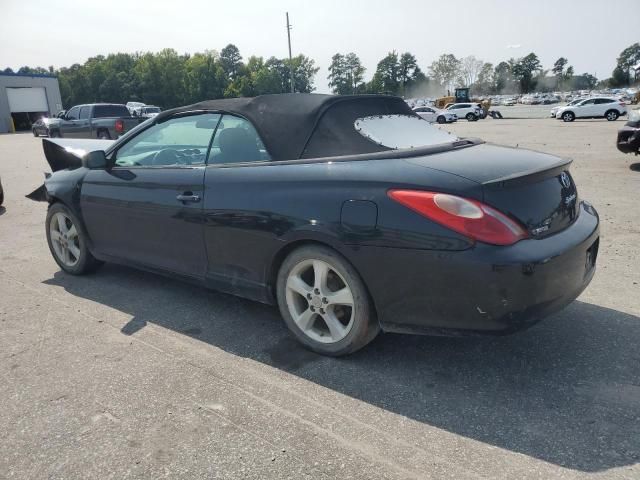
306,125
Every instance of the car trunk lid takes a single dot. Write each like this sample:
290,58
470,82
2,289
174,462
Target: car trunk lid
532,187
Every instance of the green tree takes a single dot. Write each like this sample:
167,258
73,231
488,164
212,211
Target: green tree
523,71
346,74
387,78
485,82
231,61
304,70
502,77
627,60
409,73
445,70
338,77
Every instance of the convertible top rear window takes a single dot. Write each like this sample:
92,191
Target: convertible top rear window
401,131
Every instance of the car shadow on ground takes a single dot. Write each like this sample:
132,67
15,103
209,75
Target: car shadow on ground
566,391
2,210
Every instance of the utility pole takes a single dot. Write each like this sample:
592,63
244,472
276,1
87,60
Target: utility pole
290,59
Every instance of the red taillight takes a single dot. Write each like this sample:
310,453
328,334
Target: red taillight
119,126
470,218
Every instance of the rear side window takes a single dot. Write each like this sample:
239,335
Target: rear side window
104,111
401,131
237,141
601,101
84,112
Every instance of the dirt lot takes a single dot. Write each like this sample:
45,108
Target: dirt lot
124,374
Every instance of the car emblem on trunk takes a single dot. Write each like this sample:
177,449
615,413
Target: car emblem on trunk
565,180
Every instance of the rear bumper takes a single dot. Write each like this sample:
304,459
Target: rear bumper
483,290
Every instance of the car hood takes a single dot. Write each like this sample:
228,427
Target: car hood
68,153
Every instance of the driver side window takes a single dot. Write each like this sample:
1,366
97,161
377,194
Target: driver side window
73,113
179,141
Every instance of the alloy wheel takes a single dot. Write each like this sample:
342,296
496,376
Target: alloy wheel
64,239
320,301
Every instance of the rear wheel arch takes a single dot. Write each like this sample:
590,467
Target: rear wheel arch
612,114
103,133
367,324
286,250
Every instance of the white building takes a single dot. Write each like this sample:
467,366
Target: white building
25,98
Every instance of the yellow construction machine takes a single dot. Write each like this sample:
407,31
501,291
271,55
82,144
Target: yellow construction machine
462,96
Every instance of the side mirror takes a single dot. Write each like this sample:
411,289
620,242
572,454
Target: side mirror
95,160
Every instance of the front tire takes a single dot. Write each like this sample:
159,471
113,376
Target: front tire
611,115
68,241
441,119
104,135
35,134
471,117
568,117
54,134
324,302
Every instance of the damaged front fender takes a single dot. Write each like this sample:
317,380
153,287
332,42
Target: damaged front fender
66,154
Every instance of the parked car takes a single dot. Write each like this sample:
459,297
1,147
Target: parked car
629,136
133,106
595,107
433,114
470,111
508,102
554,110
351,213
148,111
41,127
98,120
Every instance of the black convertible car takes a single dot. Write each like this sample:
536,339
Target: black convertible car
351,213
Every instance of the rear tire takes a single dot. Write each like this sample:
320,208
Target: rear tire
441,119
611,115
54,134
568,117
471,117
67,241
324,302
35,134
104,135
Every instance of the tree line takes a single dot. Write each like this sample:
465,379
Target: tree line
169,79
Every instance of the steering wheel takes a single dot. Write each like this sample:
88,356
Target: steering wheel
167,156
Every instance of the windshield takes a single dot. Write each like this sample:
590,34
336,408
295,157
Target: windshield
401,131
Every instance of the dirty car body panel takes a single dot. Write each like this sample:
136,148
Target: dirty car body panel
229,224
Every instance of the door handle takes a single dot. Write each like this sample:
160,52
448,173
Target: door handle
188,197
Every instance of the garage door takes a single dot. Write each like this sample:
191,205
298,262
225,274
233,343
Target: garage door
32,99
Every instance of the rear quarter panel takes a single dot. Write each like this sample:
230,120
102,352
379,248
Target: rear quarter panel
251,213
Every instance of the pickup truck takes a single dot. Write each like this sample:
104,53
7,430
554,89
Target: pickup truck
97,120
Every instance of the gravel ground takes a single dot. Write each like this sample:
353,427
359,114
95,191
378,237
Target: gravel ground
124,374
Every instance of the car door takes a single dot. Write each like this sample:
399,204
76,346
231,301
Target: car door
83,127
603,105
146,208
237,234
69,123
429,114
586,109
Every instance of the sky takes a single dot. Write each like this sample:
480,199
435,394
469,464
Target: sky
589,33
